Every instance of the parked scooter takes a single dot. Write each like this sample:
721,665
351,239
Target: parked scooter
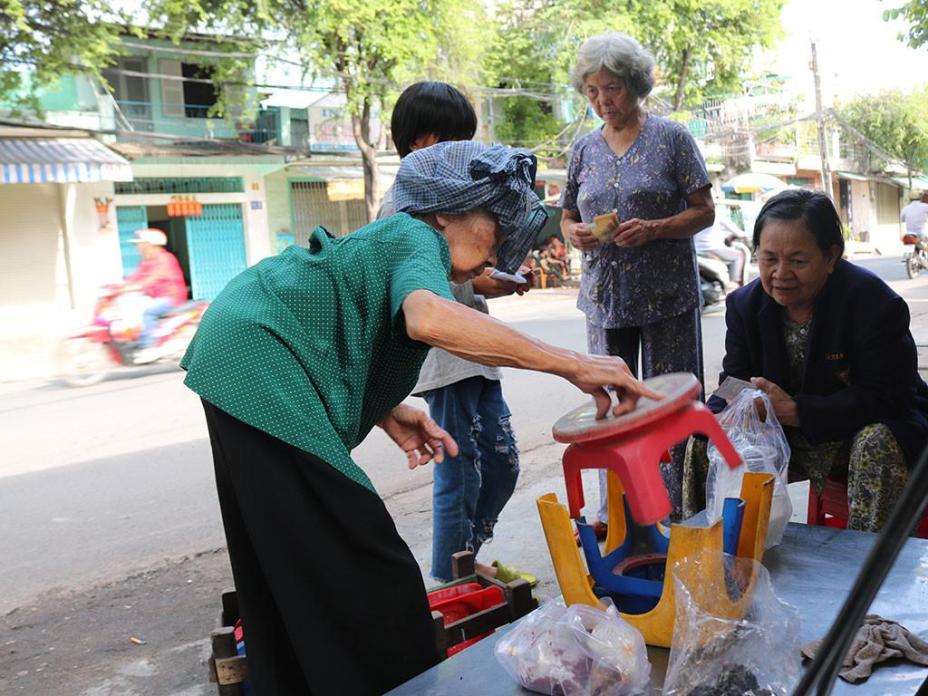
713,279
108,342
916,254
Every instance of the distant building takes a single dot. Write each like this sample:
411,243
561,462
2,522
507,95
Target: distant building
155,139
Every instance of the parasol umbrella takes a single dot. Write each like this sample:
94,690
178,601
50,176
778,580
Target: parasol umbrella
752,182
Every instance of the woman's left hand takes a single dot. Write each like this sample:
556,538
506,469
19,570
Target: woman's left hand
783,405
418,436
635,232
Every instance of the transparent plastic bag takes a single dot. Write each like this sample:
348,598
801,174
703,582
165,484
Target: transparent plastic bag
732,634
617,652
541,654
580,651
763,447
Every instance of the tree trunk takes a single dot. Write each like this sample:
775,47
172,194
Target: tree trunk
361,128
681,81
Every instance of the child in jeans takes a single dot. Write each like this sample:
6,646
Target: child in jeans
466,399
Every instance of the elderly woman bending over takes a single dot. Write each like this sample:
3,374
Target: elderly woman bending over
640,286
829,343
301,356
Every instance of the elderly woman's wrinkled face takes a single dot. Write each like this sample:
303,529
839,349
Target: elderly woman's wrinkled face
472,239
793,269
610,97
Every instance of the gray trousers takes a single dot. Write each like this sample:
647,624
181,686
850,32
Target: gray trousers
670,345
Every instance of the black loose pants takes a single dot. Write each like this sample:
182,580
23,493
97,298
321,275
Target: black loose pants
332,601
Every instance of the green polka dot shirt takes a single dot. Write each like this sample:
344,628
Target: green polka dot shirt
310,346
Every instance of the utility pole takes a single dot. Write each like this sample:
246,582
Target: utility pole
820,119
491,119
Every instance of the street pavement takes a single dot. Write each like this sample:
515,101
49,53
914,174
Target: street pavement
109,527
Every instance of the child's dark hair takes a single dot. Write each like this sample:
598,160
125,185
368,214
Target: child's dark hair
431,107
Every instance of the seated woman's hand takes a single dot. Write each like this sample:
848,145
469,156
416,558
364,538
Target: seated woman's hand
420,437
784,408
597,373
581,236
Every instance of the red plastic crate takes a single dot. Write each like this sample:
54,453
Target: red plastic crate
460,601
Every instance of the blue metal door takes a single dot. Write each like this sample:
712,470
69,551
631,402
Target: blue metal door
216,244
128,220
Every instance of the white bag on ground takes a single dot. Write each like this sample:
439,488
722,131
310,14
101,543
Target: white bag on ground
763,447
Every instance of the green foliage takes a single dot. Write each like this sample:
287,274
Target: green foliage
369,47
915,12
526,122
701,46
705,46
895,121
41,40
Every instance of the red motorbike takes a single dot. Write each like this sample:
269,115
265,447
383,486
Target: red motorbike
109,341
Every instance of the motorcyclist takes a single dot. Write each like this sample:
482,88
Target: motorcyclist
720,242
915,215
160,277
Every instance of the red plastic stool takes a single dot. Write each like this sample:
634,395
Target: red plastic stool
632,444
830,508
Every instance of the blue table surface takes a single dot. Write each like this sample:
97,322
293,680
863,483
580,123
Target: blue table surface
813,570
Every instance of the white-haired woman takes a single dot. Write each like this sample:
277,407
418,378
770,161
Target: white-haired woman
640,287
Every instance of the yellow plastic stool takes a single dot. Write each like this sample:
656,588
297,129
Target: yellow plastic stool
657,625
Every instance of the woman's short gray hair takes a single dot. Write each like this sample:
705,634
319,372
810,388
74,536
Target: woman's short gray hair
621,55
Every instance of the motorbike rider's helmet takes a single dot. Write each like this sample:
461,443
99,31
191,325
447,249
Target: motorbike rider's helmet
149,235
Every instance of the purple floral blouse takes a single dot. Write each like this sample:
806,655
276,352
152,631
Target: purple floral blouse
637,286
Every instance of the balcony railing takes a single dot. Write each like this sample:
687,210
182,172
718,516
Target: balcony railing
197,123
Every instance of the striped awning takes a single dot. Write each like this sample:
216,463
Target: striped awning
60,160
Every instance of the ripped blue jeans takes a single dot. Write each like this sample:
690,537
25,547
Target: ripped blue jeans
470,490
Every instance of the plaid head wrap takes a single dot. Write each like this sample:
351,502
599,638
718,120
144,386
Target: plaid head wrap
459,176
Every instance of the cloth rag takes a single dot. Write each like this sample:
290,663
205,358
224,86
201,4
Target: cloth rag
877,640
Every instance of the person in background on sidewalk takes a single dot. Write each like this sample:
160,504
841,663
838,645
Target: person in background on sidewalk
160,277
640,287
915,215
469,490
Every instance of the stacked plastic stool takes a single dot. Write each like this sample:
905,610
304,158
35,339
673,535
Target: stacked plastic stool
635,570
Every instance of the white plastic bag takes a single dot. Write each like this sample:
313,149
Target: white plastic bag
617,652
732,634
763,447
580,651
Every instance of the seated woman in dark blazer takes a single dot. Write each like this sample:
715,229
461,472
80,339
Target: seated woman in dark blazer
829,343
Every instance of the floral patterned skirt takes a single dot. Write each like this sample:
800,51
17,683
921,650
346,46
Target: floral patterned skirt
873,461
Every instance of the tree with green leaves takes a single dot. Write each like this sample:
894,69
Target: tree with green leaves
895,122
702,47
915,12
42,40
369,48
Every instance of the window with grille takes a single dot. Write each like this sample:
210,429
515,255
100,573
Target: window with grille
311,207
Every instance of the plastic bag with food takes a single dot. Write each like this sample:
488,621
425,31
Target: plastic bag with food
580,651
732,634
754,431
616,650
